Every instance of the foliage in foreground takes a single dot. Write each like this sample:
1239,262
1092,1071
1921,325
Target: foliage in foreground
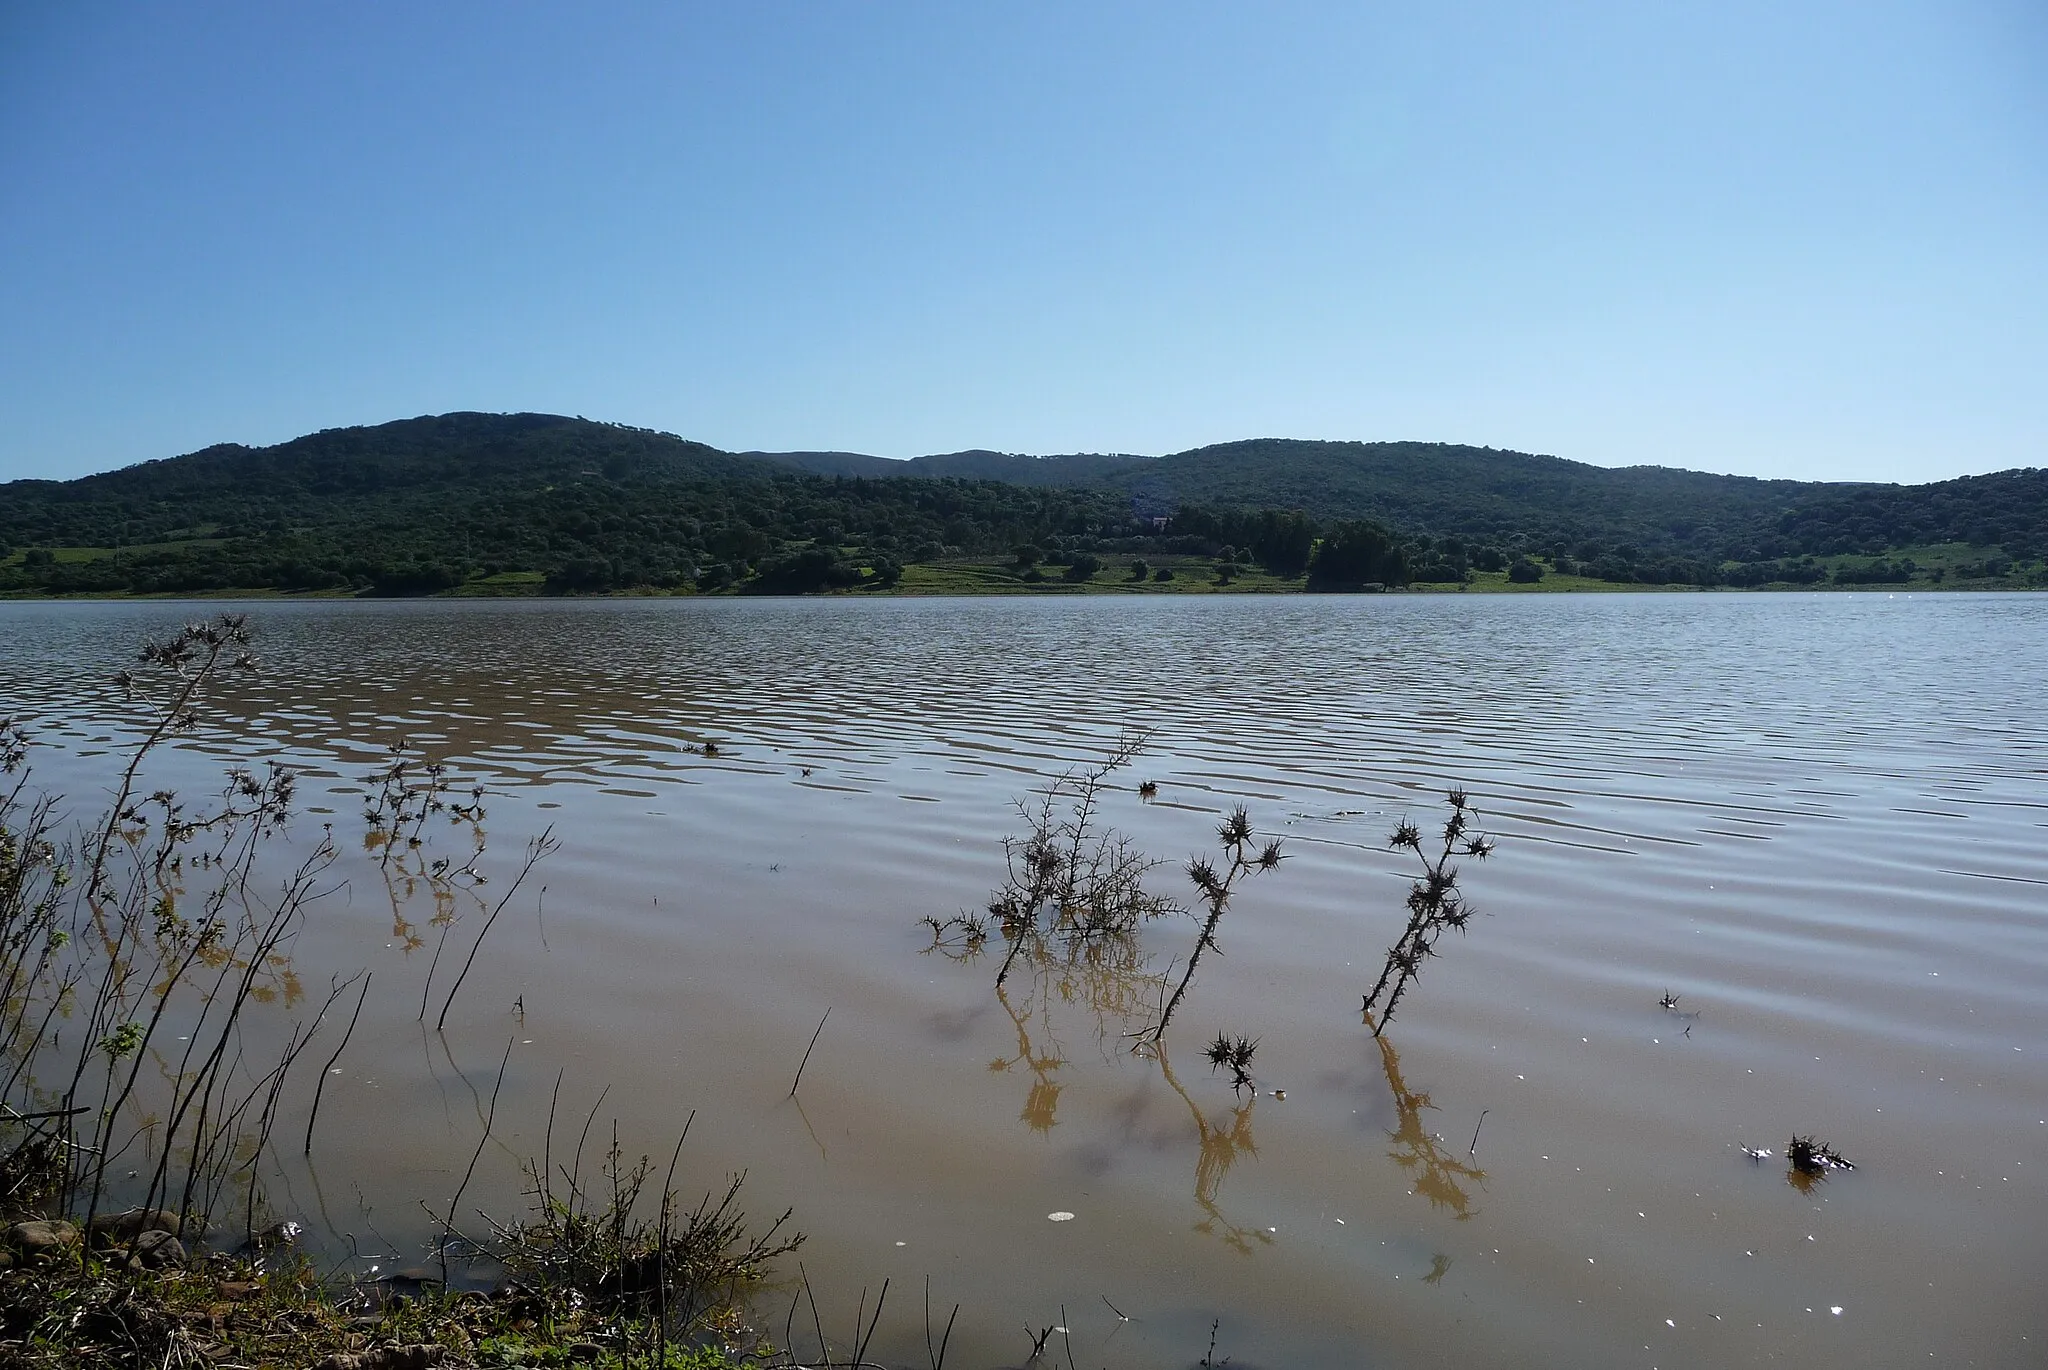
135,1124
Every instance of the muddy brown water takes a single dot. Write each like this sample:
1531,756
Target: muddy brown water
1820,821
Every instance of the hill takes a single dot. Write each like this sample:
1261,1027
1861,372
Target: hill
512,501
1482,492
1489,494
423,505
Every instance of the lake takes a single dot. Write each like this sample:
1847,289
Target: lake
1819,821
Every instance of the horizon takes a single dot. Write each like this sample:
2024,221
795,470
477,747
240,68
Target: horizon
1037,456
1798,245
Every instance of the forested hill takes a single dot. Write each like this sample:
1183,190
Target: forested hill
1490,494
1485,493
427,504
424,505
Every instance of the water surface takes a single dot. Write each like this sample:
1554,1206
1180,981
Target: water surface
1818,821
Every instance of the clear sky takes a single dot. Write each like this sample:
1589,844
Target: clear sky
1772,238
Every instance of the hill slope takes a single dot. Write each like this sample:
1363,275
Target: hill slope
1483,492
421,504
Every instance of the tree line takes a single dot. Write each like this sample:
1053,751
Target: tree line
423,506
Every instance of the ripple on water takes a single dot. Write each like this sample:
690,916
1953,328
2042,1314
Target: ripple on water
1818,820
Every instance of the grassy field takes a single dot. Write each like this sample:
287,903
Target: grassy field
1946,566
1191,576
72,556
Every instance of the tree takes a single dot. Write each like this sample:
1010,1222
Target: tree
804,573
1357,554
1139,570
1523,571
1082,566
1284,542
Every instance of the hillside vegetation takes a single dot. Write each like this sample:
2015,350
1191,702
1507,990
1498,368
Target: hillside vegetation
523,503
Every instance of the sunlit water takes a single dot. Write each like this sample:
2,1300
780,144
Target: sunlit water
1820,821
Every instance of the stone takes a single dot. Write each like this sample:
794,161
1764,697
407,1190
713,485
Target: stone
42,1239
156,1249
107,1228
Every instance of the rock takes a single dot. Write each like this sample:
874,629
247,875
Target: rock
408,1283
6,1260
107,1228
40,1240
154,1250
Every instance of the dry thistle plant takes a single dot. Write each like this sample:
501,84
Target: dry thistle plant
1810,1157
1075,881
1072,877
1434,903
1235,1055
1244,855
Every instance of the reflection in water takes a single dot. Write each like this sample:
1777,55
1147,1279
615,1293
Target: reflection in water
1108,977
1437,1176
1221,1144
1042,1103
1105,976
404,794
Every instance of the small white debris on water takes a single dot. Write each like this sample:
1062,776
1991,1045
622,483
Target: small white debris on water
903,1243
1836,1309
1060,1217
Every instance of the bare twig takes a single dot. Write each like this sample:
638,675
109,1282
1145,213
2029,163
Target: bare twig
536,850
328,1069
490,1118
807,1053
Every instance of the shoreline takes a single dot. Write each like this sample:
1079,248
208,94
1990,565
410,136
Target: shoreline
1048,591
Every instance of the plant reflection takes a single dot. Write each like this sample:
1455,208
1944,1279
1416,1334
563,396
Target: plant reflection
1104,977
1221,1145
1106,981
1436,1175
405,793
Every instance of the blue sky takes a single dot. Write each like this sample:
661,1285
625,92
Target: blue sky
1779,239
